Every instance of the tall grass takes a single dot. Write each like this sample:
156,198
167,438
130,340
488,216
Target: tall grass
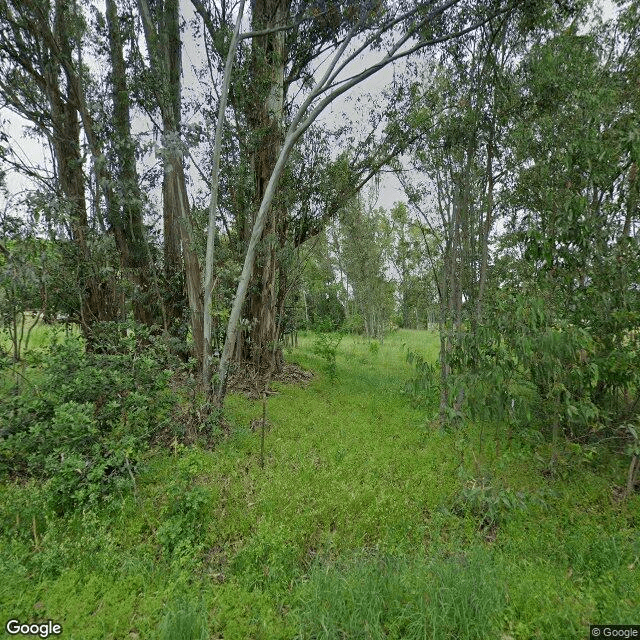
378,596
184,620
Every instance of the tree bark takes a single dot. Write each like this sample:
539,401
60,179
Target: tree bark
268,62
126,217
213,205
164,49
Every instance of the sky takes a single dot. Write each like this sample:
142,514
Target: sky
353,106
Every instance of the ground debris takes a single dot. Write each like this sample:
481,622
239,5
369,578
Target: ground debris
250,382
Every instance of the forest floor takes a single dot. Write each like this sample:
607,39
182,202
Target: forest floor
367,521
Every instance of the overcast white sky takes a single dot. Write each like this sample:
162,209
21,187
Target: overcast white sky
352,106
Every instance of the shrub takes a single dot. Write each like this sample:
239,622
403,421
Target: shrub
326,346
90,418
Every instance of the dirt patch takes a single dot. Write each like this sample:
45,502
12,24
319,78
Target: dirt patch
250,382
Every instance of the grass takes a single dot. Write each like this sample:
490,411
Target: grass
21,373
357,527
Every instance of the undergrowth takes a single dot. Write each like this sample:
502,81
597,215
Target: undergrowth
366,521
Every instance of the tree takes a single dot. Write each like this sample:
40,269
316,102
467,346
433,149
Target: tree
42,82
373,22
365,246
162,37
126,201
466,112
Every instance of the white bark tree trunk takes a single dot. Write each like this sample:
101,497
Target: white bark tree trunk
213,204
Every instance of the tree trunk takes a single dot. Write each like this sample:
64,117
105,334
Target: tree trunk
97,299
164,49
126,216
267,121
213,206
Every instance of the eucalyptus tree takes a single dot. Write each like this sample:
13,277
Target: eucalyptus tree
408,31
126,199
286,38
558,338
25,265
416,287
161,25
466,111
41,80
365,251
45,79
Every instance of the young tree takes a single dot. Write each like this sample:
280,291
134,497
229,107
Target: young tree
467,113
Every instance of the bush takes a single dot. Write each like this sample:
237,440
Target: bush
90,418
326,346
181,531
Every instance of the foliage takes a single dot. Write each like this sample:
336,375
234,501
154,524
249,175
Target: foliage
528,366
87,422
25,266
184,620
488,503
424,384
325,310
180,534
326,346
362,244
361,532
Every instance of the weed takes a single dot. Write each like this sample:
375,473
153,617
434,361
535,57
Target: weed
344,526
488,503
373,595
184,620
326,346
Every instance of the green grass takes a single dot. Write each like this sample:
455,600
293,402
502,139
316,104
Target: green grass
356,528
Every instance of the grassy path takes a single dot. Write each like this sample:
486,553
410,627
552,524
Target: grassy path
364,523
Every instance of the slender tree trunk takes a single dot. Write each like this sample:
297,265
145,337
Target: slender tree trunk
249,262
213,205
487,223
632,200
